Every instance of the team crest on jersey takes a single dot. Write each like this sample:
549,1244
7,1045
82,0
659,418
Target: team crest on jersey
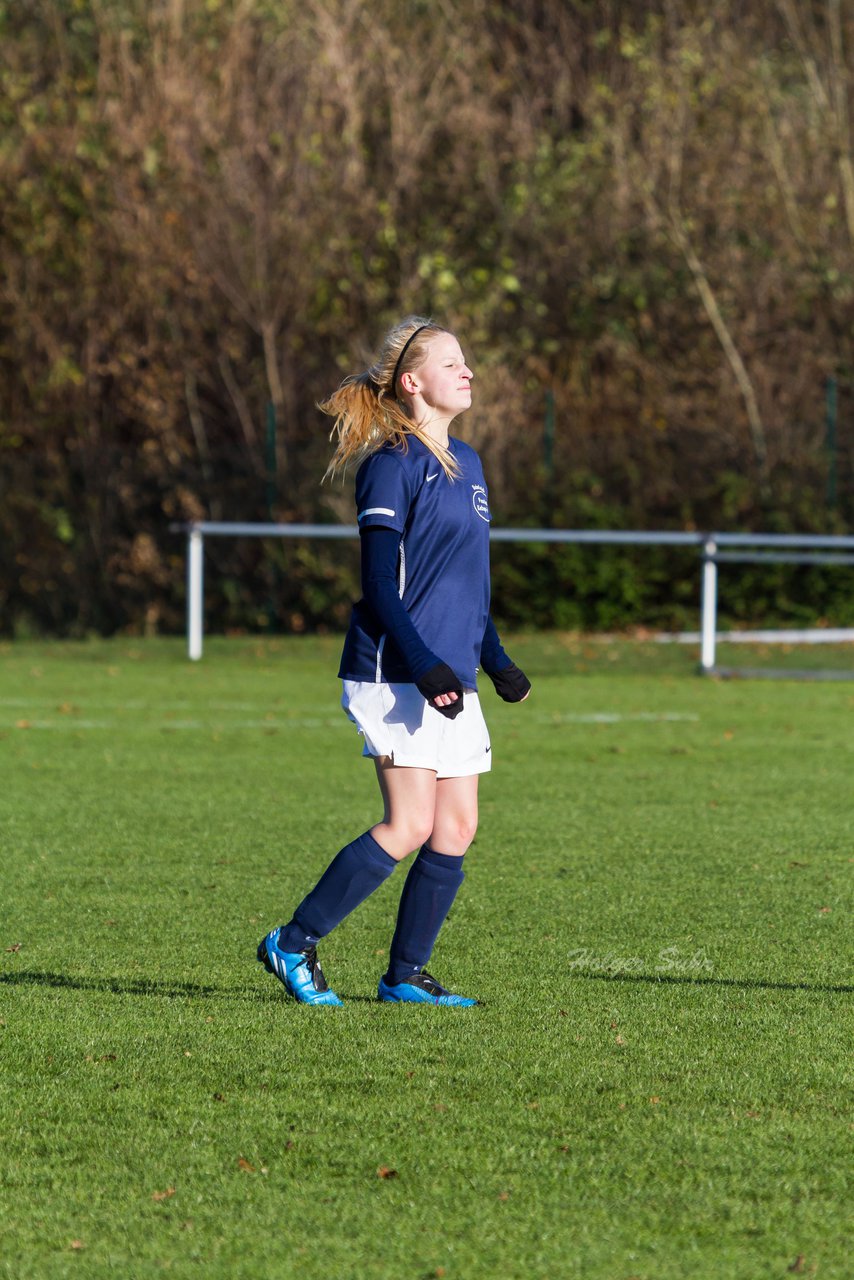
479,501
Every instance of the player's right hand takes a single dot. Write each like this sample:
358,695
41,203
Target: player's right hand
441,682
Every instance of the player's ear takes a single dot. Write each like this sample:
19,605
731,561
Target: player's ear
409,383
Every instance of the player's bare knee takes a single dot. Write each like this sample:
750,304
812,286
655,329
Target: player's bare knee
402,837
466,831
421,832
453,837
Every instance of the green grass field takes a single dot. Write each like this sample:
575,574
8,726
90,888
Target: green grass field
657,1084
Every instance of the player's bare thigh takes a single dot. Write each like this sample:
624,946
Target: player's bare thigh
455,815
418,808
409,803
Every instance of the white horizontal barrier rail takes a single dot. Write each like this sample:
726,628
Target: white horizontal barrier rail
639,537
760,548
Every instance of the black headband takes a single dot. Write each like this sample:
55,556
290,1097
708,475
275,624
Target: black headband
407,344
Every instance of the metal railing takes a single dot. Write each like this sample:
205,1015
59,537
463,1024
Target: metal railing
749,548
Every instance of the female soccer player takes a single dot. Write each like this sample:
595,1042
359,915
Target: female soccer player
410,658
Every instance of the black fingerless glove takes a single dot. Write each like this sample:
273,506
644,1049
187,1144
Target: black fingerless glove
441,679
511,684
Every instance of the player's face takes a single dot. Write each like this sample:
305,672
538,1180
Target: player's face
444,378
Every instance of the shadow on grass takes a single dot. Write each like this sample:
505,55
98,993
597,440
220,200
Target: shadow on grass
193,990
745,984
129,986
150,987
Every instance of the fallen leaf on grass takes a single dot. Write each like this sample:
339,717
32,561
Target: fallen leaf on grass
385,1172
163,1195
654,1099
504,1195
22,724
16,946
798,1264
619,1040
77,1244
245,1166
823,911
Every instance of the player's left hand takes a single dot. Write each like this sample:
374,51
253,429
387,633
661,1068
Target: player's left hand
511,684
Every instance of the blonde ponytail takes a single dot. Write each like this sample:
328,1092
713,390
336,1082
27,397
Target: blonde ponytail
365,407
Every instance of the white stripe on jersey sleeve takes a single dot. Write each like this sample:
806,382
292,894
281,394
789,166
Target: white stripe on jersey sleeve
401,577
375,511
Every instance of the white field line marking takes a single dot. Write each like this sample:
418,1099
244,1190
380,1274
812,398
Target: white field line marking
134,704
71,724
162,723
616,717
827,635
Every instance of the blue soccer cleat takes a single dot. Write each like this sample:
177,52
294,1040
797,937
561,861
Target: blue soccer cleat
299,971
421,988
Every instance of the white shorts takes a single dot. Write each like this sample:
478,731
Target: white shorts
396,720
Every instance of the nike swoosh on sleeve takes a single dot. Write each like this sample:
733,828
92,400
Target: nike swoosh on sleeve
433,477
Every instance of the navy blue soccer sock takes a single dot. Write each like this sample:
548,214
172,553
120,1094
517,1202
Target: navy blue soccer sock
428,894
352,875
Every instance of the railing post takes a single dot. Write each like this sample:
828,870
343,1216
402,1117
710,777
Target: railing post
709,606
195,592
